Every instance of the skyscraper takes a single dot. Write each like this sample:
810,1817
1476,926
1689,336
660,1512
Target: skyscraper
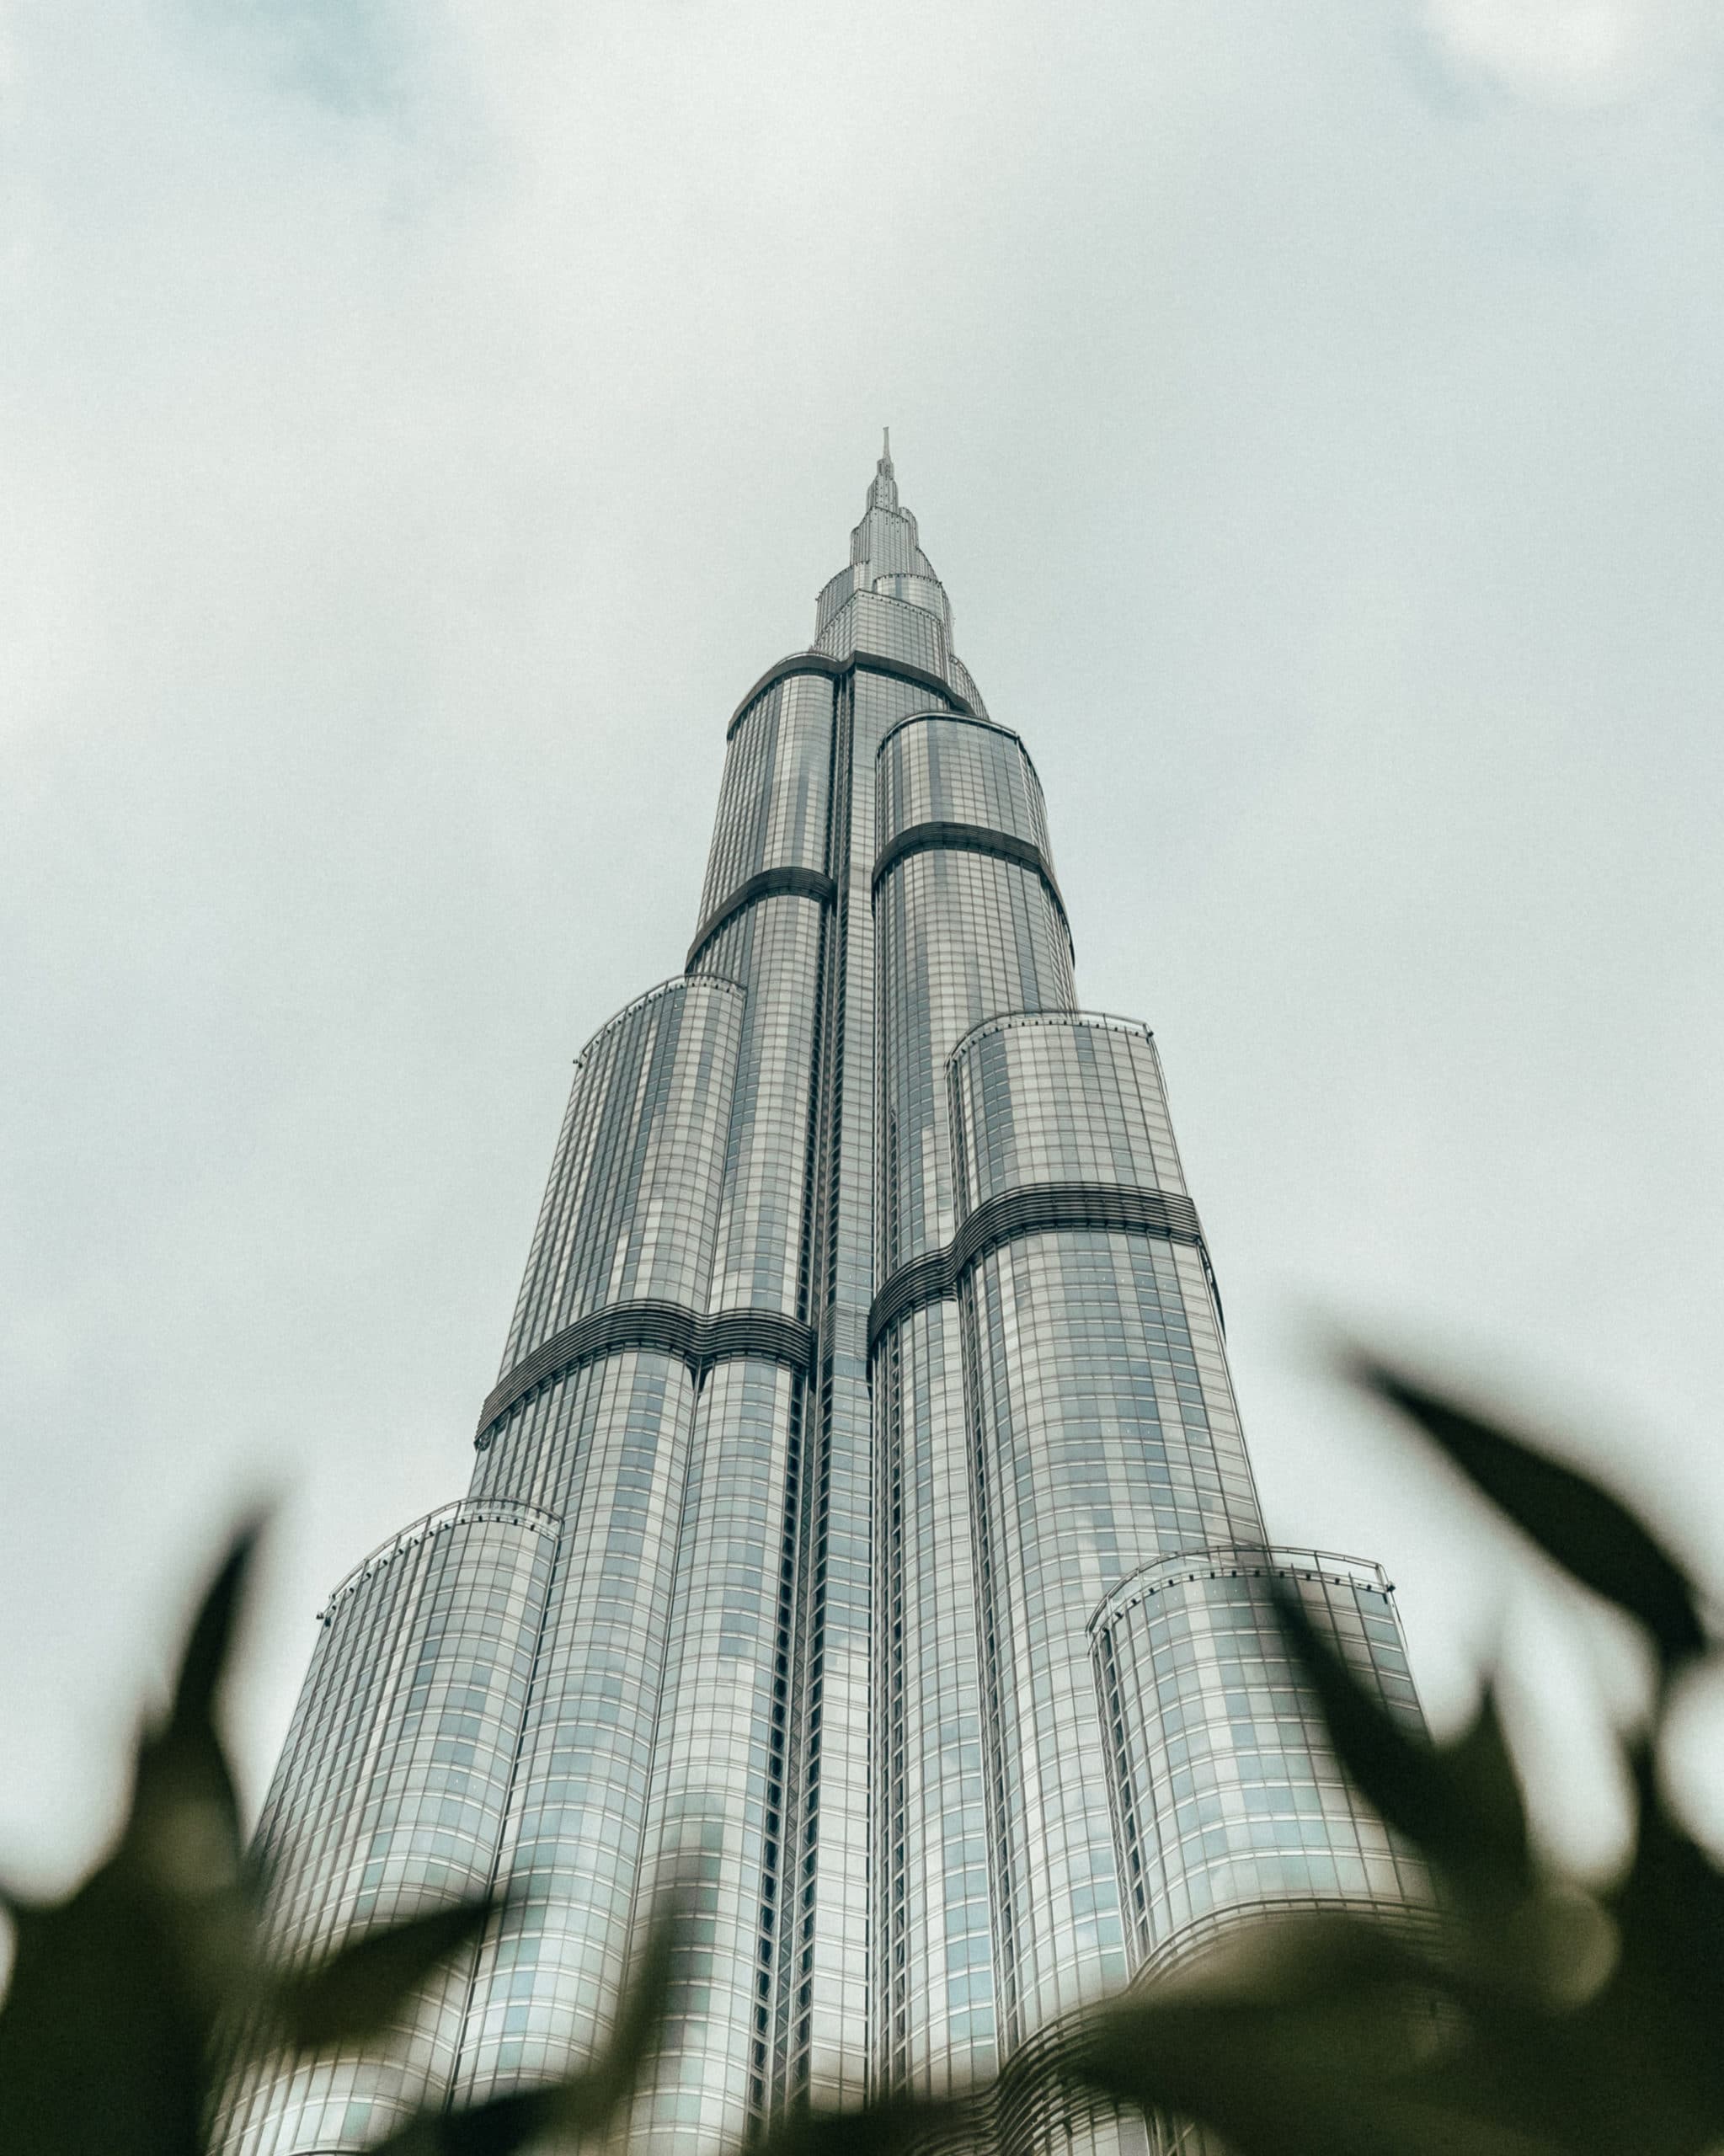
861,1517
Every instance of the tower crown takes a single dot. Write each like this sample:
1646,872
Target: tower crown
886,557
882,493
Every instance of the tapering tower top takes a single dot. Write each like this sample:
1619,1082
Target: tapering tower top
883,492
886,558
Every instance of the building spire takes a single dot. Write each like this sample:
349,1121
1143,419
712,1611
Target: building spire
882,492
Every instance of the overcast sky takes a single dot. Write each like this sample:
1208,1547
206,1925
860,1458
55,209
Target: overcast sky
424,418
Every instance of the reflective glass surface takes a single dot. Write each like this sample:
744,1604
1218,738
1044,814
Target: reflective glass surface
862,1530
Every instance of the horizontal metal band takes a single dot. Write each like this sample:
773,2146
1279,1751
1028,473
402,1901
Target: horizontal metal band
837,670
769,883
671,1328
959,717
1229,1561
969,838
464,1511
1034,1209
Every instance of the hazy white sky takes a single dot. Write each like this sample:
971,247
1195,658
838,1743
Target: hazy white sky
422,421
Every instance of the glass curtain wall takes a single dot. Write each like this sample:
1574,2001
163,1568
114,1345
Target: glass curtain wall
861,1530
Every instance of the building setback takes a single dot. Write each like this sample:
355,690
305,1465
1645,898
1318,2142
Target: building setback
861,1520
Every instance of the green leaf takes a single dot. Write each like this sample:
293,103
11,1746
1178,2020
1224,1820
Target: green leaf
1594,1537
585,2104
1318,2055
890,2125
358,1990
1668,1987
497,2128
209,1642
1459,1804
107,2029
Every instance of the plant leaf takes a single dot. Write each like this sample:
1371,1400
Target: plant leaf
1668,1987
356,1991
1594,1536
1459,1804
586,2103
894,2125
1323,2065
107,2030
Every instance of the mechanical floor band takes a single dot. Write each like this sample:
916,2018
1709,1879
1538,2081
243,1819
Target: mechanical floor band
1034,1209
970,838
768,883
671,1328
835,669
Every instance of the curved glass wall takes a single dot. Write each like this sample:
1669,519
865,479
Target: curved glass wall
1228,1799
608,1446
936,769
391,1795
774,799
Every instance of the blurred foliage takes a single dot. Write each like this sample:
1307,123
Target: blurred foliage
130,2001
1531,2016
1526,2015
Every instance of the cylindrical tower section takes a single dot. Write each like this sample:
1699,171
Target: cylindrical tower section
600,1400
716,1809
940,768
1228,1799
390,1796
1105,1435
722,1809
764,915
775,797
901,628
611,1440
936,1956
967,923
630,1210
1060,1099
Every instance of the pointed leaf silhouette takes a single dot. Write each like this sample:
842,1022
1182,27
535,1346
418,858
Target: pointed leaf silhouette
894,2125
1594,1536
1320,2062
107,2028
357,1990
1459,1804
585,2104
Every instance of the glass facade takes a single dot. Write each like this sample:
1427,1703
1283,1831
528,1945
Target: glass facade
861,1527
1226,1795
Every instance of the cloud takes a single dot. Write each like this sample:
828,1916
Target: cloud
424,422
1565,52
352,55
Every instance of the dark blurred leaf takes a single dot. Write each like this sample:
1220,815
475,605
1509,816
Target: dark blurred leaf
357,1991
497,2128
585,2104
1591,1536
1459,1804
100,2052
890,2125
209,1642
1667,1993
106,2030
1322,2062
